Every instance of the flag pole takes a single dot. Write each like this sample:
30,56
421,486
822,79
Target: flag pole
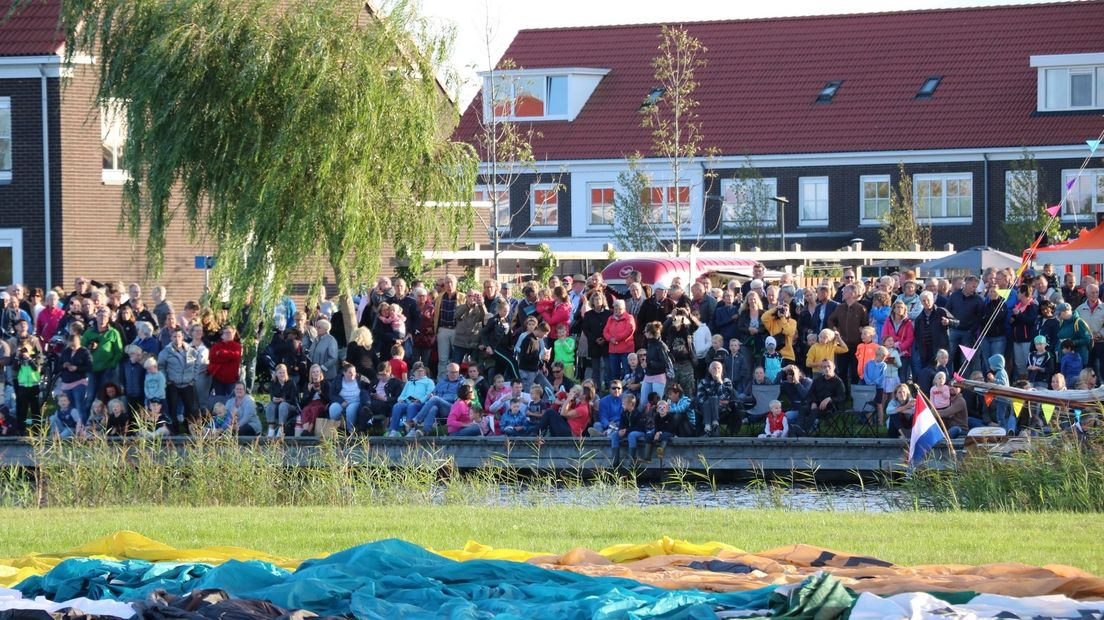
939,420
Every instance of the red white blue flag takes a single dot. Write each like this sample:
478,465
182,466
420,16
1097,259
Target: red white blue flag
926,433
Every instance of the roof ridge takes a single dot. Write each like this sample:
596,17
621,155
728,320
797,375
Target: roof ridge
856,15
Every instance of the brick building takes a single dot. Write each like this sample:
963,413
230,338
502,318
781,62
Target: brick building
75,192
824,109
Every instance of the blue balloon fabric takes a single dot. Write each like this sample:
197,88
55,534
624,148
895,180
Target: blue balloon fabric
393,580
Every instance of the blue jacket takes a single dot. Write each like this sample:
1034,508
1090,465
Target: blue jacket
724,321
609,410
446,390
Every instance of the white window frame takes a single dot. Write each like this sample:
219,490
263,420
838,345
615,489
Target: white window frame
497,204
803,198
1096,178
114,175
665,208
769,210
944,178
590,187
1049,72
6,173
533,189
509,81
873,178
1008,176
13,238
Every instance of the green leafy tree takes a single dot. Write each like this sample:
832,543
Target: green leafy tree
900,226
1027,216
746,209
672,116
633,228
297,136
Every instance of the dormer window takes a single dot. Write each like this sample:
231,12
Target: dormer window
829,91
1070,82
538,94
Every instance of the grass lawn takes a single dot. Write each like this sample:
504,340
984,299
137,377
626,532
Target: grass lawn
904,538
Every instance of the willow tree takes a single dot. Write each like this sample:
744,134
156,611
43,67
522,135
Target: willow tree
296,135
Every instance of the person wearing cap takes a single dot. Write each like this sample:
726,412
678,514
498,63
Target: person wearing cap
1092,311
1073,328
10,314
656,308
1040,364
577,292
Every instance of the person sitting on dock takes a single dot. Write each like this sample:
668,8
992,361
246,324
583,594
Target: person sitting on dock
825,398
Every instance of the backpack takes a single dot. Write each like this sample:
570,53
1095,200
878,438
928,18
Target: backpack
681,349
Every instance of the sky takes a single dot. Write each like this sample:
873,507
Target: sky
474,19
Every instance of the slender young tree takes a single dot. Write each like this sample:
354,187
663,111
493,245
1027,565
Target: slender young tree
747,213
633,217
901,225
297,135
1027,216
671,115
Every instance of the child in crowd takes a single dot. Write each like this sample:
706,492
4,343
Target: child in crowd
220,421
879,311
893,361
487,424
1040,364
635,376
777,426
154,383
866,350
828,345
563,351
515,423
999,376
737,367
397,321
772,359
98,416
717,352
399,368
683,410
1070,365
875,373
538,404
497,390
66,422
154,421
940,394
118,422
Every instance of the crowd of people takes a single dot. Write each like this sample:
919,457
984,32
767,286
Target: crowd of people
567,357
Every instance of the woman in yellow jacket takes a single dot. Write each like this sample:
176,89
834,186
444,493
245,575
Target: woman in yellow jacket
783,327
828,345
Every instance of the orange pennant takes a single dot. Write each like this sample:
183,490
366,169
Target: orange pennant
989,398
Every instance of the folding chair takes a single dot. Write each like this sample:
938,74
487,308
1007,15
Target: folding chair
763,395
865,409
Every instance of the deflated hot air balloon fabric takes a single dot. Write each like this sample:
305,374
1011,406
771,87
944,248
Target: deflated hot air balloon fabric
126,573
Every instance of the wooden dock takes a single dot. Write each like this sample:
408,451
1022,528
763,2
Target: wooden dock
718,455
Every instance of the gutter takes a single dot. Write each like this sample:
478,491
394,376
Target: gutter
48,230
985,197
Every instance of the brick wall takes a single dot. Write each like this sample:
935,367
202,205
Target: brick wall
22,200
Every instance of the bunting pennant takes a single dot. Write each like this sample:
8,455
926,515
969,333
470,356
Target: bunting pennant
1020,270
1093,145
1055,210
1077,414
968,352
1069,184
1017,406
989,398
1004,293
1048,412
958,377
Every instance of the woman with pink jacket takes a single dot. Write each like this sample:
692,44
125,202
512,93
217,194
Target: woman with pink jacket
619,331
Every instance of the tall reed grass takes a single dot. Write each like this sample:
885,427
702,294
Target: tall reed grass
1054,474
218,471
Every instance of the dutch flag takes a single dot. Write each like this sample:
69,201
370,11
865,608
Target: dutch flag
926,433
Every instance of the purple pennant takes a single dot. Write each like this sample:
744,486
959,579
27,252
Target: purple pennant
1069,185
967,351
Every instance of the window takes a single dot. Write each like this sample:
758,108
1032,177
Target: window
544,203
1086,193
601,205
113,135
875,198
5,142
663,202
928,88
829,91
1072,88
742,199
1021,189
945,197
11,255
500,203
813,198
530,96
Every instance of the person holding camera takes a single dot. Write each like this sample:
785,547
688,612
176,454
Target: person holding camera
783,328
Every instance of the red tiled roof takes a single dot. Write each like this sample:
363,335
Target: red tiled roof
757,92
32,30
